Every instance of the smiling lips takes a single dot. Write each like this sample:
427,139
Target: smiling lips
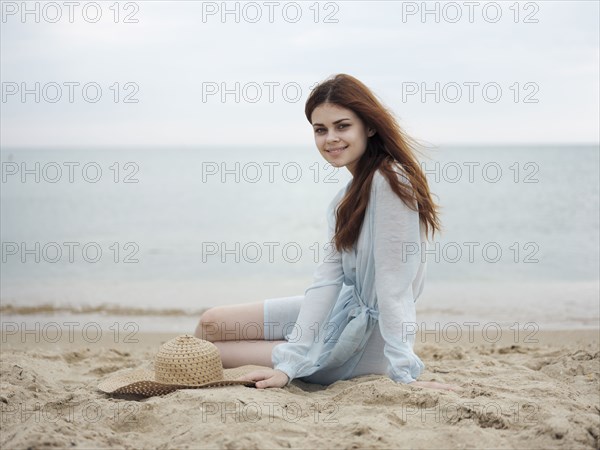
336,151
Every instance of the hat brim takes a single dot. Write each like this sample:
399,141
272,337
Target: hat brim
143,382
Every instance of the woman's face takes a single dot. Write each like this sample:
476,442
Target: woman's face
340,135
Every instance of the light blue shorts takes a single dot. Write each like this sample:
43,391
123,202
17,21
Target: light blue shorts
280,315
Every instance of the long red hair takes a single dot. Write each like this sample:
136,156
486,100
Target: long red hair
389,146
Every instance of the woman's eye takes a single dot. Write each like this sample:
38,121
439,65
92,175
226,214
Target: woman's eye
319,130
344,125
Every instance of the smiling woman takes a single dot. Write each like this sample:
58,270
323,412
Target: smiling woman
358,316
340,135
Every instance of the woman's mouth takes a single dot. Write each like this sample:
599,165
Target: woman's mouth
337,150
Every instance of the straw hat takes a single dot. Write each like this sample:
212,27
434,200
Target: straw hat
185,362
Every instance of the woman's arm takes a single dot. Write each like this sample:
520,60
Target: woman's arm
293,357
396,228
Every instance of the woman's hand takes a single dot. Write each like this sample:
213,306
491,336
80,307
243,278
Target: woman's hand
266,378
436,385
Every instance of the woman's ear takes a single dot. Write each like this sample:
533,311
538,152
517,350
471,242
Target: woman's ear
371,132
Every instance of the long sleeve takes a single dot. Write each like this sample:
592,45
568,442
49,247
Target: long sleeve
397,256
298,356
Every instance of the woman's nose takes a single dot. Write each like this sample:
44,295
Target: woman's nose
332,137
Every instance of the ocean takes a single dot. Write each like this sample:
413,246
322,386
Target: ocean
159,234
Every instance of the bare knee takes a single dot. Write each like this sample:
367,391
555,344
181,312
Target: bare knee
209,327
232,322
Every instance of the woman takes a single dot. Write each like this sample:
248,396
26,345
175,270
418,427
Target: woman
358,316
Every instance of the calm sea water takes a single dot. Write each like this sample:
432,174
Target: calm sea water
155,229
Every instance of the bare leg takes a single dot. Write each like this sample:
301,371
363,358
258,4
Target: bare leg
238,333
232,323
239,353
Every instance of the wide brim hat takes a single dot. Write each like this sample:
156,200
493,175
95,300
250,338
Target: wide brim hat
185,362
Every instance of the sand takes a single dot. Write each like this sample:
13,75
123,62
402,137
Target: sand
516,394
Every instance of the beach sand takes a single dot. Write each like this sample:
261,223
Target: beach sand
517,394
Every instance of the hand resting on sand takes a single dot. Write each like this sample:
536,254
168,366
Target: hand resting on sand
266,378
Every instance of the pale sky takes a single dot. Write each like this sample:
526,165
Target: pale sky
179,53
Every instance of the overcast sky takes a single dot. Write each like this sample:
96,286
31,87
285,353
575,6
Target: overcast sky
540,74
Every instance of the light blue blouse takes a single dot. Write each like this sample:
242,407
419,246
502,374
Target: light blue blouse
378,280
